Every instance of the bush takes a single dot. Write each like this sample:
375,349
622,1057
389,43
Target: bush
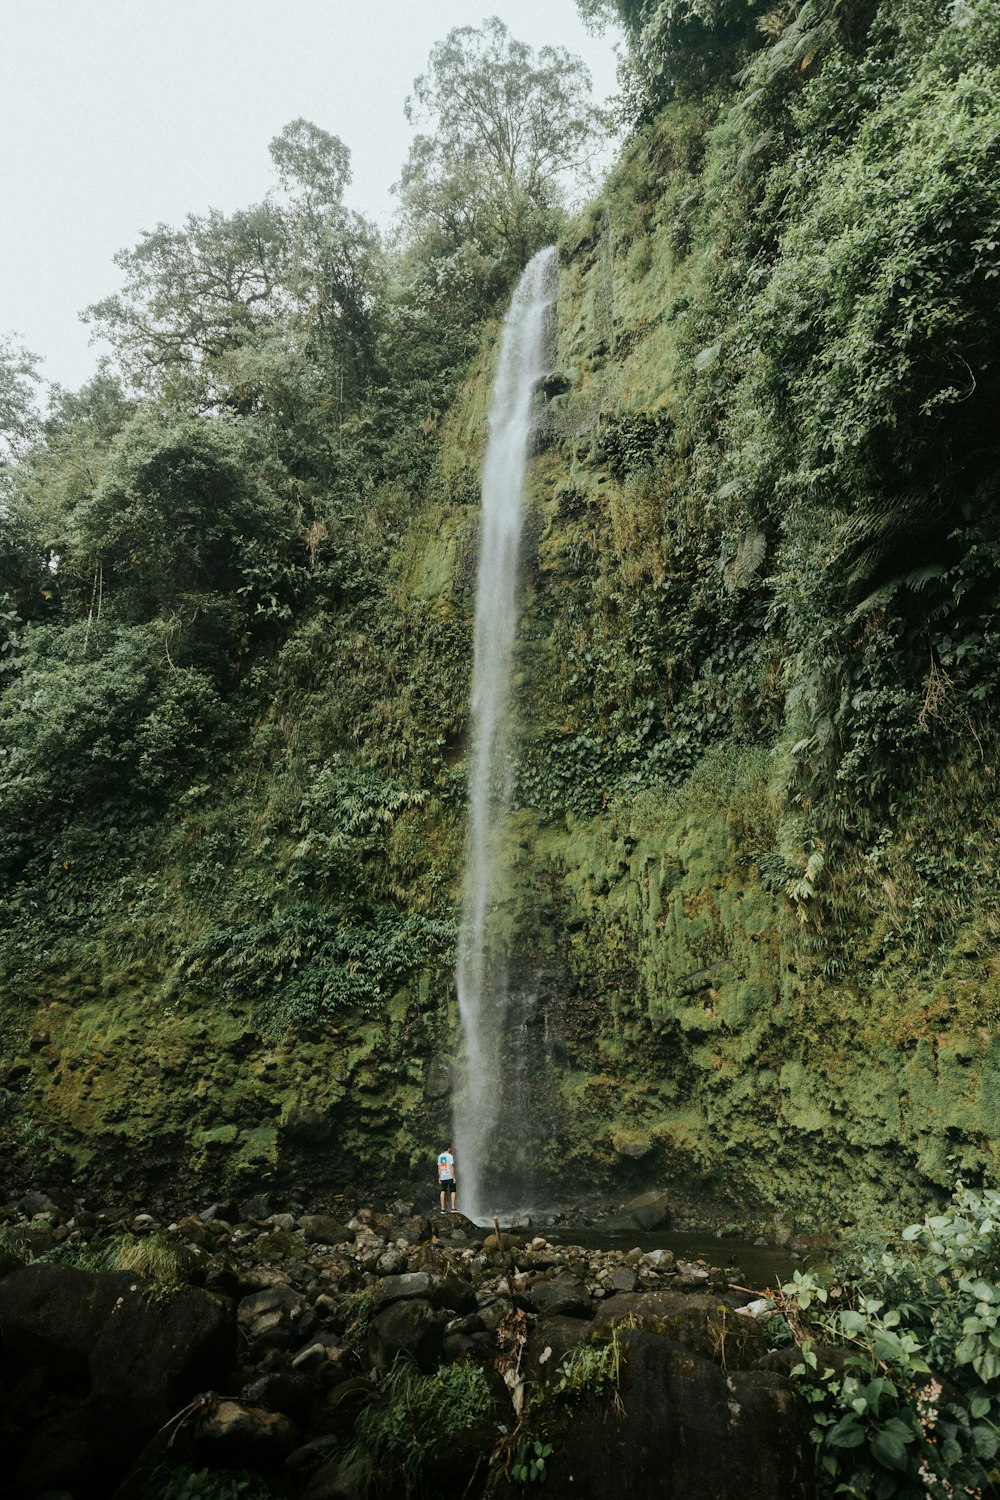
901,1359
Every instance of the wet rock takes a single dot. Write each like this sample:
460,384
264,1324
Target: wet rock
276,1318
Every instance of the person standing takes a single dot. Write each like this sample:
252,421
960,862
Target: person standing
446,1177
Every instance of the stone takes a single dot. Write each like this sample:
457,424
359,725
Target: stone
622,1279
562,1297
412,1327
401,1288
688,1429
321,1229
650,1210
290,1391
236,1434
274,1318
52,1315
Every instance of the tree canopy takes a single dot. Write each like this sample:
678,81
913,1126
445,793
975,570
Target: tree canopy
507,125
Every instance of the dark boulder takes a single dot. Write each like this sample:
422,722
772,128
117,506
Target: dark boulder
51,1315
563,1296
687,1428
411,1327
149,1361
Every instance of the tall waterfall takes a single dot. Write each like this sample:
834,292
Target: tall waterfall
525,357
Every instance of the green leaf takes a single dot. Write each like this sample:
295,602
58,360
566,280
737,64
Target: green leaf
848,1433
889,1449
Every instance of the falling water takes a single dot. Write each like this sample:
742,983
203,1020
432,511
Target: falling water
482,974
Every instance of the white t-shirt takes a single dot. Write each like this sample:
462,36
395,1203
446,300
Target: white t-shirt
446,1166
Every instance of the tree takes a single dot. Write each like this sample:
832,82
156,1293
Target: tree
509,126
221,285
18,416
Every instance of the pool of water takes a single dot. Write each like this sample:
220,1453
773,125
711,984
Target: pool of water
752,1266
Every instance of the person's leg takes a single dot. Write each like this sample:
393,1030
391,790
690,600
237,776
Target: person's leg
454,1197
442,1200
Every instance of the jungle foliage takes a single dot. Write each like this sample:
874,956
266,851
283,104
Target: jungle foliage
754,787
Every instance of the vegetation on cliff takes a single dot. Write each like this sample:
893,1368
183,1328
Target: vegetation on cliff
753,858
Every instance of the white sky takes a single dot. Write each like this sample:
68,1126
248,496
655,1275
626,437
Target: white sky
116,115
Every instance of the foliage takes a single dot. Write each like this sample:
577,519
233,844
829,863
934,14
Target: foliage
508,126
901,1358
94,712
397,1434
181,525
18,412
153,1257
219,286
169,1482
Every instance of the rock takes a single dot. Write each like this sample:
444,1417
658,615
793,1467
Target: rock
290,1391
659,1260
562,1297
622,1279
310,1456
453,1292
149,1361
687,1429
411,1327
492,1311
402,1288
276,1318
253,1210
40,1203
342,1405
51,1315
650,1210
321,1229
340,1479
239,1435
392,1262
548,1344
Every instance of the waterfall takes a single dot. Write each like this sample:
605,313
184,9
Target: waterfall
525,357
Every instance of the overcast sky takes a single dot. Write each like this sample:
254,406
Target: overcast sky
116,115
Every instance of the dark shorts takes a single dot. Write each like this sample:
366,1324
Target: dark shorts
447,1185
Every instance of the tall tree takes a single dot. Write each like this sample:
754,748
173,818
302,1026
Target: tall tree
222,285
508,126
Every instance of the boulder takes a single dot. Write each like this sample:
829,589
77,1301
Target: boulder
563,1296
321,1229
686,1428
51,1315
149,1361
650,1210
412,1327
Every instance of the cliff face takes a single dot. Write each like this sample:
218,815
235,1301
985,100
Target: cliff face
752,897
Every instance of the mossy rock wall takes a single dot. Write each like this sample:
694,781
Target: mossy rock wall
725,1010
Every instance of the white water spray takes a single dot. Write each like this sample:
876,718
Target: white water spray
481,972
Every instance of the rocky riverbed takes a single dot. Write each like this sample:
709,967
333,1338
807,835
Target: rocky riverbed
333,1355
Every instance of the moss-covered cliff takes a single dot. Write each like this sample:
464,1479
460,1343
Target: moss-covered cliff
753,913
